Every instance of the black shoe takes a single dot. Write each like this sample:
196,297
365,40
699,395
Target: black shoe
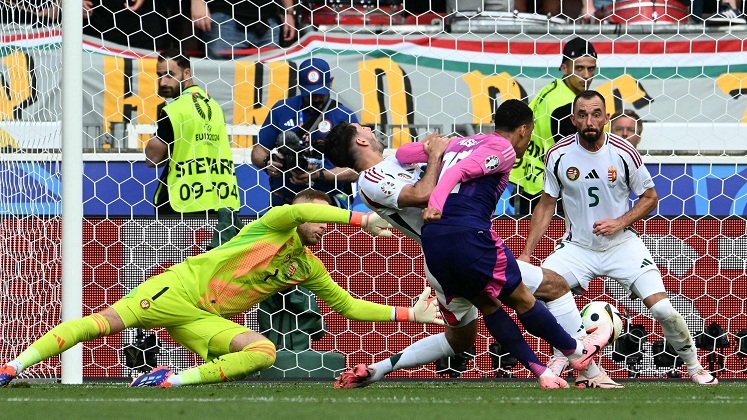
727,15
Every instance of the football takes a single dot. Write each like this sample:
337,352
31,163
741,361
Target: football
595,313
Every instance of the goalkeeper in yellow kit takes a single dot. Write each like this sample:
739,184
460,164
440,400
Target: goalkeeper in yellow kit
193,299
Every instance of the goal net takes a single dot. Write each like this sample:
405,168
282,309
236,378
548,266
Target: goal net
405,71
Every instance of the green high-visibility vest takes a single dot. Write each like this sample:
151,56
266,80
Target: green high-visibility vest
551,106
201,171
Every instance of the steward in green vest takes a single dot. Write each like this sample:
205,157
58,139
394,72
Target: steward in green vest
552,112
191,135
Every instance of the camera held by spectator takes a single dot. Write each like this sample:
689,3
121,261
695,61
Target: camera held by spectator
289,151
295,154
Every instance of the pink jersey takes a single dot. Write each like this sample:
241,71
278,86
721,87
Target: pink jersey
474,174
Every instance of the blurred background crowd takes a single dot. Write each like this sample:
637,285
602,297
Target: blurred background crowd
226,28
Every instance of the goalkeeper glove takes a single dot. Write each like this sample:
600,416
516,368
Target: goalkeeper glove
375,224
425,310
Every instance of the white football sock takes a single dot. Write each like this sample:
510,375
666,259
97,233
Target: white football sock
564,309
676,332
425,350
592,370
16,364
175,380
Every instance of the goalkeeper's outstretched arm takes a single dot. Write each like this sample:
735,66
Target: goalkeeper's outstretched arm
290,216
425,310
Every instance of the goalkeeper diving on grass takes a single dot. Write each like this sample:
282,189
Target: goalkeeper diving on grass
193,299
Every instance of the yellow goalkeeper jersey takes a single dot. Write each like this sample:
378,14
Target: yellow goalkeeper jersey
266,257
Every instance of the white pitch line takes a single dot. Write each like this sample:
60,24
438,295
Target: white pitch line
716,400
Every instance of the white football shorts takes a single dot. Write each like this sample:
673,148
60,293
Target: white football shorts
624,263
460,312
531,275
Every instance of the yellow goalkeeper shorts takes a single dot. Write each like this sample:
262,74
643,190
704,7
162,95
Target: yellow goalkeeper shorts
162,302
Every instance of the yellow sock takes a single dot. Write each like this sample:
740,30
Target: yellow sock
230,367
62,337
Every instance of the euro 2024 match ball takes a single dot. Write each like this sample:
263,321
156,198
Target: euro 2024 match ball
595,313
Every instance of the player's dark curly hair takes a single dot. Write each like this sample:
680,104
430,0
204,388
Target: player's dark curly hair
339,145
512,114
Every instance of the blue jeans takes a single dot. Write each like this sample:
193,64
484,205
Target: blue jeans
227,35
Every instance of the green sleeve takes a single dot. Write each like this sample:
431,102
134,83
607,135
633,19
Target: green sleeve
292,215
322,285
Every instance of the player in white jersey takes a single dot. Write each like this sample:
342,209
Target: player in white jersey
384,189
595,172
398,193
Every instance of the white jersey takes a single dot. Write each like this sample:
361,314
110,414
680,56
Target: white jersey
379,188
595,186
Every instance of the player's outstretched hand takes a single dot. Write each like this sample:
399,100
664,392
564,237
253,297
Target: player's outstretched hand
431,215
426,310
375,225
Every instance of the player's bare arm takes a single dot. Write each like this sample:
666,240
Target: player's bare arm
156,151
341,174
417,195
541,217
645,204
315,173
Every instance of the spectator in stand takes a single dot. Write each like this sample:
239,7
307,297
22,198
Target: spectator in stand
135,24
548,7
230,25
292,126
628,125
33,12
42,12
726,11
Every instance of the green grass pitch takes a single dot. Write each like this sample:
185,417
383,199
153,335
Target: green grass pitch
454,400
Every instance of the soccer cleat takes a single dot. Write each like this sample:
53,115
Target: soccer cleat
357,377
593,344
600,381
158,377
552,382
703,377
557,364
7,374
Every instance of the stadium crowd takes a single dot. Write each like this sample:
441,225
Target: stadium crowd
222,29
